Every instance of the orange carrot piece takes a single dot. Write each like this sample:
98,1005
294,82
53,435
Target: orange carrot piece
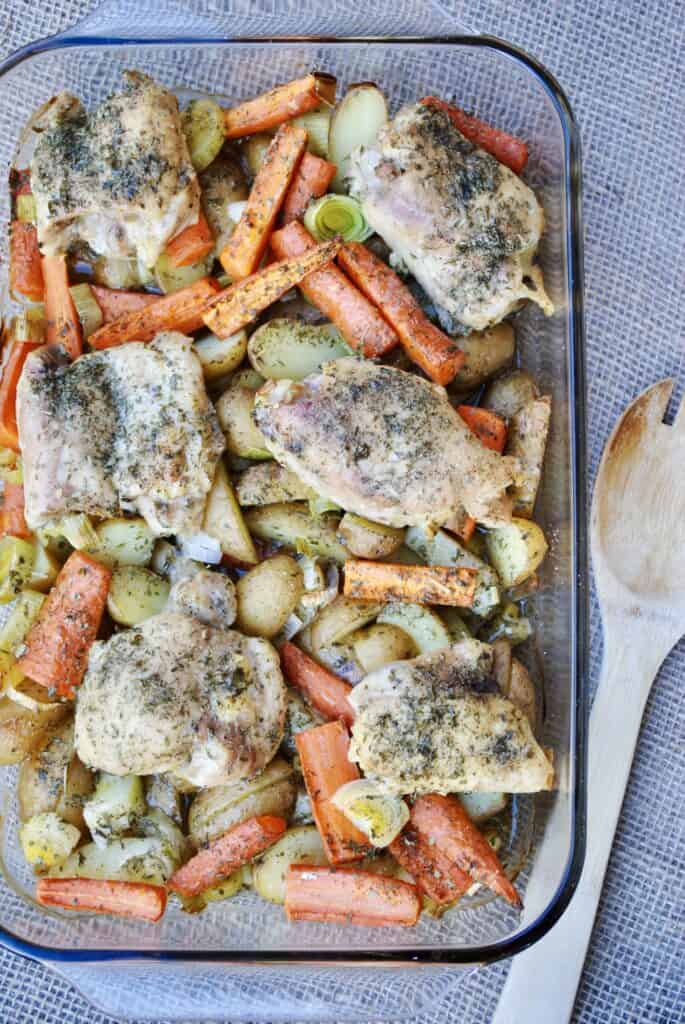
488,427
63,324
192,244
311,181
443,821
122,899
59,641
359,322
325,691
278,105
235,848
506,148
11,372
246,246
349,896
114,302
326,767
12,521
180,311
433,873
437,354
242,302
417,584
26,273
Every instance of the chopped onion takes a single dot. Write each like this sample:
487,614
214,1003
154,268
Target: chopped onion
201,547
334,215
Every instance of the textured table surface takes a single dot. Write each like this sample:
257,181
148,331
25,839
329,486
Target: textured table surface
619,62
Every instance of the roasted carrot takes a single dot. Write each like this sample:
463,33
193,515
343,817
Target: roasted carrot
437,354
349,896
417,584
122,899
311,181
443,821
326,767
488,427
26,273
360,323
180,311
506,148
325,691
192,244
59,641
280,104
235,848
241,303
433,873
114,302
63,324
246,246
12,521
11,372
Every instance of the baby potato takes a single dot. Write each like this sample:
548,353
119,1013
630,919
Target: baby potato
243,436
54,779
267,595
135,594
508,394
367,539
47,841
216,810
123,541
487,352
21,730
220,356
300,845
516,550
380,644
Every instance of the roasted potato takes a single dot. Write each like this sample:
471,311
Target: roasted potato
367,539
54,779
291,524
269,483
220,356
47,841
216,810
340,618
508,394
298,717
527,440
22,730
267,595
123,542
301,845
381,643
286,348
223,183
243,436
487,352
224,520
516,550
135,594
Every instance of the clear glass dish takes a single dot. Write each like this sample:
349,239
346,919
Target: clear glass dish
243,959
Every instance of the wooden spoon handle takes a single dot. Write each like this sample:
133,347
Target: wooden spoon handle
542,981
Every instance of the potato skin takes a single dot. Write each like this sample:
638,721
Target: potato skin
267,595
21,730
487,352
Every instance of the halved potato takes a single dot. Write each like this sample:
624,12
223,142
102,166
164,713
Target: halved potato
47,841
526,441
516,550
22,730
253,150
54,779
487,352
46,567
267,595
135,594
508,394
115,806
301,845
220,356
292,525
340,618
481,806
224,520
123,542
285,348
424,626
355,122
367,539
269,483
216,810
243,436
380,644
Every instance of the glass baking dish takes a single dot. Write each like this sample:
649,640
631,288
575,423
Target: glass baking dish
242,959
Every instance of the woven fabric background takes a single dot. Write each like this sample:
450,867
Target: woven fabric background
620,64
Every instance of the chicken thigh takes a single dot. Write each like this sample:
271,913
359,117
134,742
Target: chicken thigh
465,225
119,180
384,444
439,723
128,428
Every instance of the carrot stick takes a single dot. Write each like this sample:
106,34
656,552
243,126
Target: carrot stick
311,181
506,148
246,246
325,691
235,848
418,584
437,354
59,641
63,324
488,427
325,767
349,896
240,303
114,302
443,821
192,244
12,522
360,323
280,104
433,873
26,273
123,899
180,311
9,434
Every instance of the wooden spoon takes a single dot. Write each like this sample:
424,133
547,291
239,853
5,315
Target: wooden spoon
638,554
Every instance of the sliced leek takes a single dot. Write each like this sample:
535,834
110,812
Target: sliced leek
334,215
379,815
87,307
203,126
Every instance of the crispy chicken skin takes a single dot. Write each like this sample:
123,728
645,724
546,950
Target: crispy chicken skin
439,724
382,443
128,428
177,694
465,225
119,180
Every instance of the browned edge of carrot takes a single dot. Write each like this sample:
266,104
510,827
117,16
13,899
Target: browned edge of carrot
488,426
434,874
438,355
11,372
63,324
272,108
122,899
26,271
506,148
311,181
416,584
192,244
349,896
325,691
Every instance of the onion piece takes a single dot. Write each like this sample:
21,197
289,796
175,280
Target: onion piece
200,547
333,215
